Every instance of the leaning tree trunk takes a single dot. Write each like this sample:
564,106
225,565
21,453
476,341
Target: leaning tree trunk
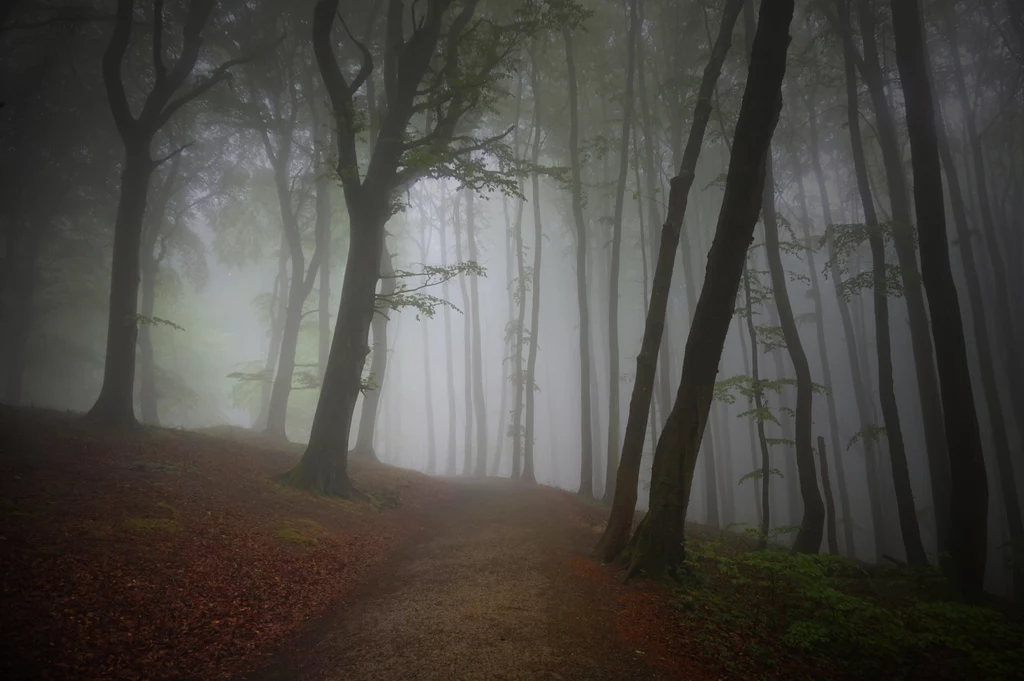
612,460
989,383
620,521
529,474
586,488
479,408
968,500
378,365
115,404
324,465
921,341
657,544
808,538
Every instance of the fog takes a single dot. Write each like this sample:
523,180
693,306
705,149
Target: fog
250,171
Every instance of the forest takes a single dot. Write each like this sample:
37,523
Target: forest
572,339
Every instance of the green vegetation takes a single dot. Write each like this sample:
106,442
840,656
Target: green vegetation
300,532
770,614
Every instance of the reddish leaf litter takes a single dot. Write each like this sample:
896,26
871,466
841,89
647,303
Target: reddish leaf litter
166,554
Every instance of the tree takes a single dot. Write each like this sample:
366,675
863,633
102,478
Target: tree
586,488
620,521
169,92
968,502
614,416
657,545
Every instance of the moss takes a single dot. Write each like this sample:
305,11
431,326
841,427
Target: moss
152,524
50,550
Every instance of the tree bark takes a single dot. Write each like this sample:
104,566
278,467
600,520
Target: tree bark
923,350
478,362
529,474
278,307
808,538
449,468
620,521
968,502
612,459
826,368
467,344
830,504
378,364
657,544
755,377
989,382
586,488
115,404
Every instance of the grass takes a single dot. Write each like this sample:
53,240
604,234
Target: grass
300,532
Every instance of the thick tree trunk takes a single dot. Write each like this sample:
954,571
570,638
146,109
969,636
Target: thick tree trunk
147,360
657,544
378,365
808,538
323,236
22,256
620,521
586,488
115,404
324,465
830,504
968,502
989,382
529,474
479,407
652,419
612,459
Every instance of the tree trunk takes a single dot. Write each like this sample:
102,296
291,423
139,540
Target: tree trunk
860,393
529,474
620,521
507,350
586,488
989,382
324,464
22,258
115,404
758,445
278,308
652,419
478,362
429,396
612,459
830,504
323,235
657,544
378,364
449,468
147,361
826,368
808,538
521,389
968,502
924,353
755,377
467,344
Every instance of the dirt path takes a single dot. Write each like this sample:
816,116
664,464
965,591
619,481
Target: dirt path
484,591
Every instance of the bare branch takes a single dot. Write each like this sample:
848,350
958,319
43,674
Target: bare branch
158,162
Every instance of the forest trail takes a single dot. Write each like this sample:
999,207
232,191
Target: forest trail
489,589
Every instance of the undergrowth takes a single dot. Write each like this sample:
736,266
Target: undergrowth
770,614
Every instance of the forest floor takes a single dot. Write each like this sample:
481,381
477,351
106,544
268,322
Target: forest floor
162,554
167,554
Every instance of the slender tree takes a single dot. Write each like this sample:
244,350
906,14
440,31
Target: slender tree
968,503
